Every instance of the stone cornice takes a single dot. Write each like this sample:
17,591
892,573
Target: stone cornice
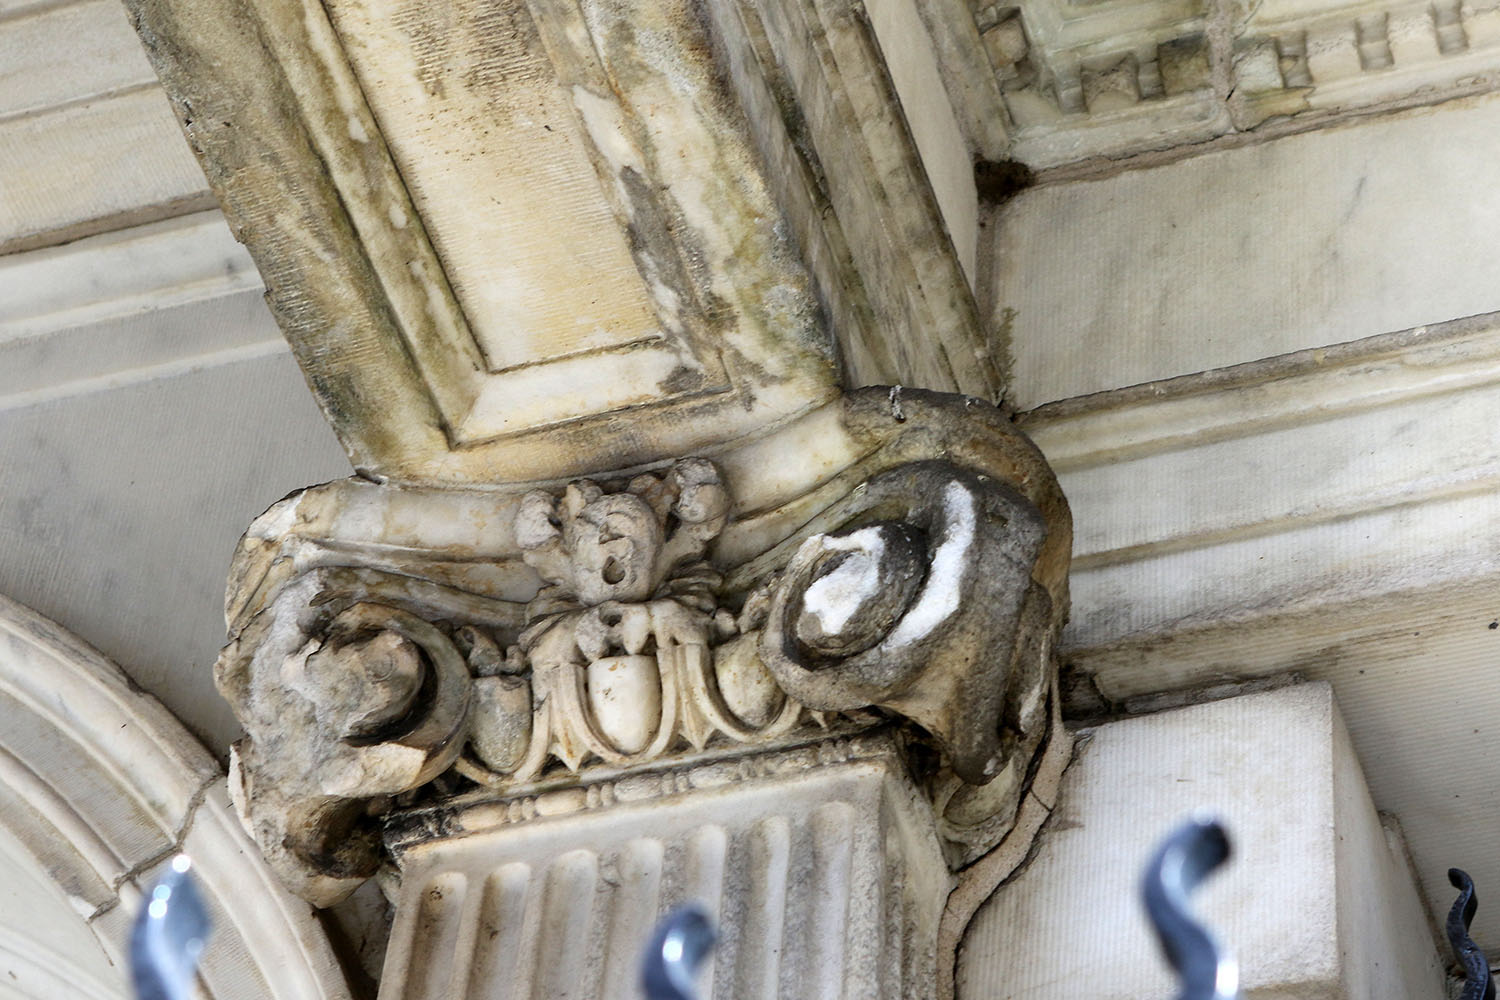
119,308
1113,80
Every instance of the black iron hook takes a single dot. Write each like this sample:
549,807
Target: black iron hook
168,935
1477,982
679,945
1184,860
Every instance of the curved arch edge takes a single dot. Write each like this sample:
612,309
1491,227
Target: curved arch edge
109,786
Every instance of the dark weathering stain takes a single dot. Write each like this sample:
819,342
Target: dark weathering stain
499,45
682,380
998,181
505,46
654,245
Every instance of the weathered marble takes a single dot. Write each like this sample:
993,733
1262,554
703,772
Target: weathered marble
393,646
818,864
870,160
1253,569
439,332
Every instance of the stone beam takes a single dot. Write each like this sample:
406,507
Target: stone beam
532,240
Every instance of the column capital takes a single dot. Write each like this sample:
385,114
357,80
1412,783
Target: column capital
895,560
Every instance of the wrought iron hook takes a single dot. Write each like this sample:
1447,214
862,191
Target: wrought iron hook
168,935
1184,860
1478,985
679,945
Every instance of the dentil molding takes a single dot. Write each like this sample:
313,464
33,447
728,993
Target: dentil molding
1108,80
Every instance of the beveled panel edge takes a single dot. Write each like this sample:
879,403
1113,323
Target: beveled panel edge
900,304
253,136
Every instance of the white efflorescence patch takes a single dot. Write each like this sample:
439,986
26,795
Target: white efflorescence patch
278,521
944,585
602,118
833,599
1032,703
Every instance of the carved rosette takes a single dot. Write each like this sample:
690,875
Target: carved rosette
892,561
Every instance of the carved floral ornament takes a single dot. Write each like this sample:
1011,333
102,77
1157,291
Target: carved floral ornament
399,646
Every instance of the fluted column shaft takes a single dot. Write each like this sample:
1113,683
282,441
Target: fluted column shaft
819,864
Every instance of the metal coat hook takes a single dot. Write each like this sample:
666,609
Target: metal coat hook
679,945
1478,985
1180,864
168,935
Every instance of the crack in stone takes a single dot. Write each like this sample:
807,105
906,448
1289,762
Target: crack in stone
173,848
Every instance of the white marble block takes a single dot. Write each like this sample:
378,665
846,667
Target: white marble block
1303,235
818,866
1315,901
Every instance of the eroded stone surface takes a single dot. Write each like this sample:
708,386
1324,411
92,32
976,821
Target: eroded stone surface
393,647
399,313
954,561
816,863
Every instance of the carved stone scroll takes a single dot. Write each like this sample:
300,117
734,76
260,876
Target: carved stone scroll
347,701
906,613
